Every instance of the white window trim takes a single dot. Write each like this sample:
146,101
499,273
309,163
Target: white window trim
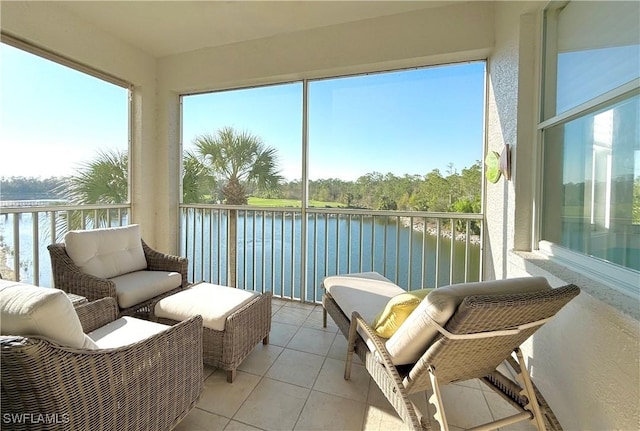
621,279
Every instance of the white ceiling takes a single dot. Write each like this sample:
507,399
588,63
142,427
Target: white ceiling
163,28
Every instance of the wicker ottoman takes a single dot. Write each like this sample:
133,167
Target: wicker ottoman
234,321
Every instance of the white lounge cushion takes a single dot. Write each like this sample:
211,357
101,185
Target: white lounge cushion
367,293
136,287
416,333
29,310
124,331
107,253
214,303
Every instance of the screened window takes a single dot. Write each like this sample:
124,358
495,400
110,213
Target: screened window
64,133
591,135
243,146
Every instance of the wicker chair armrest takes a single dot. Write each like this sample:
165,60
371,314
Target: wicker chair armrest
151,384
381,352
98,313
157,261
69,277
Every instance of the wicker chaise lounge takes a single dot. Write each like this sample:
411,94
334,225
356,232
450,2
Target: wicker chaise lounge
116,263
119,374
456,333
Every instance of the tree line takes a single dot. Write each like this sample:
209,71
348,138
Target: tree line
29,188
434,192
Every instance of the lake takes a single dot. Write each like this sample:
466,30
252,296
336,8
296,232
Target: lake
269,251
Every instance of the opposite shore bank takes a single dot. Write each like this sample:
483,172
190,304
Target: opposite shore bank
5,272
432,229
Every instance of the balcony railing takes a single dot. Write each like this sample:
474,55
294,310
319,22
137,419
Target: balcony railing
25,233
272,249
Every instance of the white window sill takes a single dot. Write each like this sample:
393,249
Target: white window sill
537,263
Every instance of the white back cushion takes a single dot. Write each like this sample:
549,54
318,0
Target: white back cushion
29,310
416,333
107,253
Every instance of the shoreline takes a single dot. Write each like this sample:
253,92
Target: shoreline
6,273
432,230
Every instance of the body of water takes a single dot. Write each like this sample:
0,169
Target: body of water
270,251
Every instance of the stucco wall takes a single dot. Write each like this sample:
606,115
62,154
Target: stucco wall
585,361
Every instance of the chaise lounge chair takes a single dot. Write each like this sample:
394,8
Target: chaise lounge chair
455,333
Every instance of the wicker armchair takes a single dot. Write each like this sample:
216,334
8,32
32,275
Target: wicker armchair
70,278
151,384
481,333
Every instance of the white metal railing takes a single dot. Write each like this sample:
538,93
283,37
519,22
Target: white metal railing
25,233
274,250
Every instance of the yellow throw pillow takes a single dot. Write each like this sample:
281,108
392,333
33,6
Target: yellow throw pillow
396,312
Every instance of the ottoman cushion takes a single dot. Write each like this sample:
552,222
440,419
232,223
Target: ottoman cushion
214,303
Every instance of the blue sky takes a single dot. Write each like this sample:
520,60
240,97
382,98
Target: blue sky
53,118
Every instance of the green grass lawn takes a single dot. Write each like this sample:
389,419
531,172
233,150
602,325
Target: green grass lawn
262,202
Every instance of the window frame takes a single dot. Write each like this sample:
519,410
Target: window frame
619,278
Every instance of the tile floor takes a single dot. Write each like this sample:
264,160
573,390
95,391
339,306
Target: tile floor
295,383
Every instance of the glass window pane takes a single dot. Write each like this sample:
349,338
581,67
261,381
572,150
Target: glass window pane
591,48
592,184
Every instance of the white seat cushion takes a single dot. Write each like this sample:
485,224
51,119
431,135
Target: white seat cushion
29,310
214,303
416,333
367,293
106,253
136,287
125,331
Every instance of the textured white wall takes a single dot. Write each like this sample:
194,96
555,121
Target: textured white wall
585,361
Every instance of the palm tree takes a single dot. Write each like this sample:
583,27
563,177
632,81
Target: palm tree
197,181
102,180
238,159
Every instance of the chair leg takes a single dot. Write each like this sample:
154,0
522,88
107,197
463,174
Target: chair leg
351,344
436,400
324,317
231,375
529,392
265,340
